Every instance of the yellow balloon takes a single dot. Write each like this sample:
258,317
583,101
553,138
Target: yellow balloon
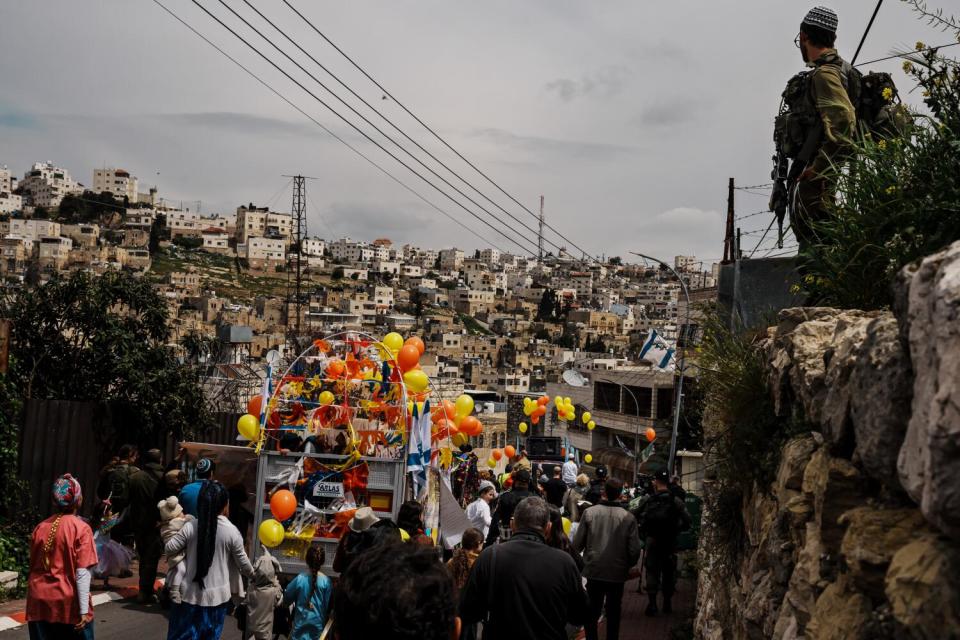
416,380
558,401
566,526
491,463
585,417
459,439
523,427
567,400
588,458
249,426
326,397
591,425
270,533
464,405
393,341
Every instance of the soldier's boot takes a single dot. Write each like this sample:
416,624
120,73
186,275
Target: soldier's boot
652,605
667,606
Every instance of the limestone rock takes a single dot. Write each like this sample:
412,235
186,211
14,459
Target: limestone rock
923,589
929,461
836,486
880,394
872,538
840,614
796,454
840,355
795,358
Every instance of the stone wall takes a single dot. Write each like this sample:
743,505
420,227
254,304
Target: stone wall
859,535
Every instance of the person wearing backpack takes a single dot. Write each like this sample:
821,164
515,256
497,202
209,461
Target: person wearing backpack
660,519
115,486
831,123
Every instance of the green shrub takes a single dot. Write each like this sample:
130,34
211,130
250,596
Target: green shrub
898,200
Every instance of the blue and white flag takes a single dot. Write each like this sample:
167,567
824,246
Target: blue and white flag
418,447
657,351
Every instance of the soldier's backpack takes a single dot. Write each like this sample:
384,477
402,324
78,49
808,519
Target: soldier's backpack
660,518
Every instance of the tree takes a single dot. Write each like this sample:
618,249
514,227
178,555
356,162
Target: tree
546,309
337,273
542,334
156,232
616,261
104,339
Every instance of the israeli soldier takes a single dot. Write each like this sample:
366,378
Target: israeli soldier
831,135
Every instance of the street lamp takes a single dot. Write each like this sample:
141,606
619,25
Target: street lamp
676,409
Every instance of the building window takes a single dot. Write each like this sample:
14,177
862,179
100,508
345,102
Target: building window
606,396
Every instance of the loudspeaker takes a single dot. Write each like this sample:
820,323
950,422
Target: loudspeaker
544,447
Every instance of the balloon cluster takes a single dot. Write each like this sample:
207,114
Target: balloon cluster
587,419
535,409
565,409
283,505
454,419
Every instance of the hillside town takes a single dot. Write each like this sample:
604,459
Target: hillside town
496,324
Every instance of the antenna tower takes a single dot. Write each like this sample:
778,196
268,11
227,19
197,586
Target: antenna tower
298,214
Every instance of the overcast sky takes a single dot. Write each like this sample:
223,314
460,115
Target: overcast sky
628,116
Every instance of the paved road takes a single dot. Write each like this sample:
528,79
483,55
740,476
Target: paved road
126,620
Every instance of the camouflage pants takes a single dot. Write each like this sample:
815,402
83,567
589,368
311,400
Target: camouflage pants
661,568
813,197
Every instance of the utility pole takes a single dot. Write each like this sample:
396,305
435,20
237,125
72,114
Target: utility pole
298,214
540,235
728,247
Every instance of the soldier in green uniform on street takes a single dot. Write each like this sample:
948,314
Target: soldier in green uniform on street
830,138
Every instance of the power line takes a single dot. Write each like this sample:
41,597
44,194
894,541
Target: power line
908,53
316,122
427,127
866,31
375,110
360,131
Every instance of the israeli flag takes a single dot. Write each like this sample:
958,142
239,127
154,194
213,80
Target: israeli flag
657,351
418,447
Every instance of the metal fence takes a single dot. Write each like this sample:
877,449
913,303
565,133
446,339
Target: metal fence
64,436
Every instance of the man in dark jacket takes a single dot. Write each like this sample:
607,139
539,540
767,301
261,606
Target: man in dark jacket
607,536
510,499
145,486
531,591
594,494
661,517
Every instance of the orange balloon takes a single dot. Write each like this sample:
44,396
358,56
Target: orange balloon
543,400
254,405
535,418
471,426
408,357
452,429
336,368
416,342
510,451
651,434
497,454
283,505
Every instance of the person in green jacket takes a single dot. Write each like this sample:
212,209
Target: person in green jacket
828,94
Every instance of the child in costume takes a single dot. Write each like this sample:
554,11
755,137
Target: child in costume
172,519
112,557
263,596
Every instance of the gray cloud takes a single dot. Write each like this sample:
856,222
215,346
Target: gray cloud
603,83
669,113
245,123
543,146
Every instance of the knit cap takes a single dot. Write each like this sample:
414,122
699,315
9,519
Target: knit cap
169,509
822,18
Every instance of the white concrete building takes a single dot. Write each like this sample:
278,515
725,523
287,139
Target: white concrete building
119,182
350,251
182,223
490,257
8,202
54,250
411,271
451,259
33,230
382,297
216,240
45,185
385,266
262,252
261,222
313,246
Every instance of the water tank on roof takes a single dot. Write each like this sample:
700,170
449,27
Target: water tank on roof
235,334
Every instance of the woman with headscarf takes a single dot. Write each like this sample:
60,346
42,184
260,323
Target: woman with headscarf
214,557
62,557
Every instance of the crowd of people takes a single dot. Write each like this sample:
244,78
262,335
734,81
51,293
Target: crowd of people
541,559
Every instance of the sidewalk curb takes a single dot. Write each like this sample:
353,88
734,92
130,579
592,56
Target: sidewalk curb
19,618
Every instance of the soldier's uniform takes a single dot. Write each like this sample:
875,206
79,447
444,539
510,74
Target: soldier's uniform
828,96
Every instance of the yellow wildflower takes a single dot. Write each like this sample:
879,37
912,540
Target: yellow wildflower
907,66
882,145
795,289
920,46
887,94
889,190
